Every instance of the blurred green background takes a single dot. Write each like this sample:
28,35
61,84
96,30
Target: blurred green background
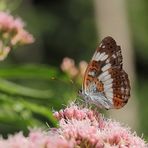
62,28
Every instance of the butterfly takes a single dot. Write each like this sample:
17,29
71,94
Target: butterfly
105,83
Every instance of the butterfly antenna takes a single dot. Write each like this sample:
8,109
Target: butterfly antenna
75,86
70,81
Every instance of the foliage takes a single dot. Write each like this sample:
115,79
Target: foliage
139,22
28,104
28,94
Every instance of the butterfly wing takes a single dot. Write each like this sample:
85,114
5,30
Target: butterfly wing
105,81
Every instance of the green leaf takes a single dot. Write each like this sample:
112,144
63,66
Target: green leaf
41,110
15,89
28,71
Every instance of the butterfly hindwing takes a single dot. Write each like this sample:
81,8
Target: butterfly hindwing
104,76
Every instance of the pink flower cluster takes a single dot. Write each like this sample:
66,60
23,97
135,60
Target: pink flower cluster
88,128
68,66
36,139
78,128
12,33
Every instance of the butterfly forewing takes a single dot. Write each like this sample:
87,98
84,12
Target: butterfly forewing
105,82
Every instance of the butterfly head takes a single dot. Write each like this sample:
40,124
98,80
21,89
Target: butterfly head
80,92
